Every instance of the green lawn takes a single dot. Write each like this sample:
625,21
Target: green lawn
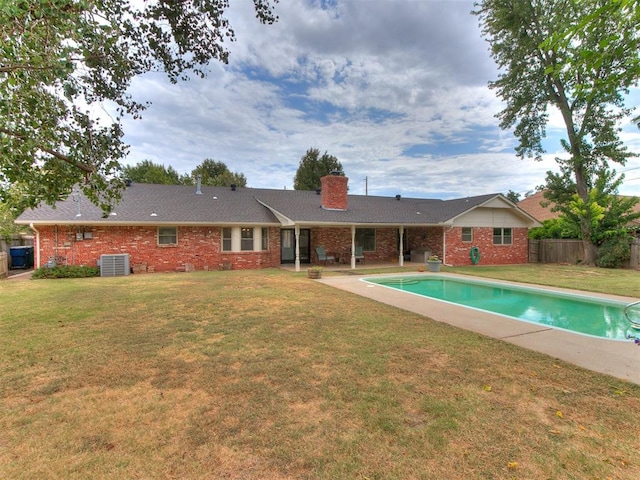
270,375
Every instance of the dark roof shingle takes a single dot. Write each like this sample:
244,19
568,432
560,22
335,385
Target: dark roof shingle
178,204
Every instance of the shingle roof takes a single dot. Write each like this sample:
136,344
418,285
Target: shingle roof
177,204
532,206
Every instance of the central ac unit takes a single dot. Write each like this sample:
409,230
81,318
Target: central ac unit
114,265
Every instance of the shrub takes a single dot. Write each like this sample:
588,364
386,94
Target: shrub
66,271
614,252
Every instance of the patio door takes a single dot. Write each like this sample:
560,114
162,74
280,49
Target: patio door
288,245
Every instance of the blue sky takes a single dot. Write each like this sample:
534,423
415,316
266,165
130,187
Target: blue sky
395,89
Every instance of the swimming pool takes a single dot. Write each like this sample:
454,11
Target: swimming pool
577,313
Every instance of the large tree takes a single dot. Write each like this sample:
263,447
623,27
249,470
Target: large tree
149,172
9,211
538,75
217,174
313,167
60,59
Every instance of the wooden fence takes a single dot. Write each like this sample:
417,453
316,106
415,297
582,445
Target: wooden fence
552,250
634,261
4,265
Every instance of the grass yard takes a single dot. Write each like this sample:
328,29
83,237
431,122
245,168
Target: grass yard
269,375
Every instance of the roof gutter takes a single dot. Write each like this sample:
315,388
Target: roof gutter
37,244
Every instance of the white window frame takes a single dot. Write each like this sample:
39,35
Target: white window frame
227,240
238,241
501,237
247,235
468,233
162,236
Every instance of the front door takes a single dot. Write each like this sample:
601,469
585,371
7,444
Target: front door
288,245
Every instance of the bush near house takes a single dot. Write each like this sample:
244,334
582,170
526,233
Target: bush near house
66,271
614,252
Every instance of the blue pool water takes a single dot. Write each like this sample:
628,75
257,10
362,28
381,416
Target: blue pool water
577,313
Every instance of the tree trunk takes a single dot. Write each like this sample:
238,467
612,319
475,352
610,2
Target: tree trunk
590,252
558,96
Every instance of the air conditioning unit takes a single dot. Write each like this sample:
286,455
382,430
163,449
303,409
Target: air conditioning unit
114,265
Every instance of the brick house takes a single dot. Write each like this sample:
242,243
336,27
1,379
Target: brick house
175,227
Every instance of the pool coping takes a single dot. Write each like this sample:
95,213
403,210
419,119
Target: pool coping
620,359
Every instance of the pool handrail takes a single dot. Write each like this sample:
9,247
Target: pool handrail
626,313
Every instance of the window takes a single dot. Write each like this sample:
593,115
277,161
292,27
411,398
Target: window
167,236
467,234
246,239
366,238
502,236
226,239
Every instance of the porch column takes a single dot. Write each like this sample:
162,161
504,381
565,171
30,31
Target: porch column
444,244
401,259
353,247
297,234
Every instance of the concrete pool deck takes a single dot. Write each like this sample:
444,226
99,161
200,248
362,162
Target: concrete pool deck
620,359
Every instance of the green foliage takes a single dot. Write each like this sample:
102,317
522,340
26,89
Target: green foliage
7,227
614,251
149,172
605,213
583,72
554,228
217,174
313,167
61,60
10,208
513,196
66,271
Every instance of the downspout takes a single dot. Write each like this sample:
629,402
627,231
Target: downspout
37,244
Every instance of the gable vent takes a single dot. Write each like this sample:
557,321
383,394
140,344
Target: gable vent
114,265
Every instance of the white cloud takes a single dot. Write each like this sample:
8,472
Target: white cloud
366,81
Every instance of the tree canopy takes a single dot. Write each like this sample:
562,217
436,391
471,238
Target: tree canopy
62,60
513,196
584,72
149,172
217,174
313,167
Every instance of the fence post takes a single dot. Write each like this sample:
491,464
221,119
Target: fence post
534,249
634,261
4,265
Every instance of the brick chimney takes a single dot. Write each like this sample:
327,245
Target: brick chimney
334,191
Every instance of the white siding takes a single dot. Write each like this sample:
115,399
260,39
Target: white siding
492,217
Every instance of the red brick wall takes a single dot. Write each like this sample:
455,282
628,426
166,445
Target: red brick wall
334,192
429,238
490,254
337,241
199,247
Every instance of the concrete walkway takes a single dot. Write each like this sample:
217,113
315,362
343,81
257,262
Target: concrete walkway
620,359
20,274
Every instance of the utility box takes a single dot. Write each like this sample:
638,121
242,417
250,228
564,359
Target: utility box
114,265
